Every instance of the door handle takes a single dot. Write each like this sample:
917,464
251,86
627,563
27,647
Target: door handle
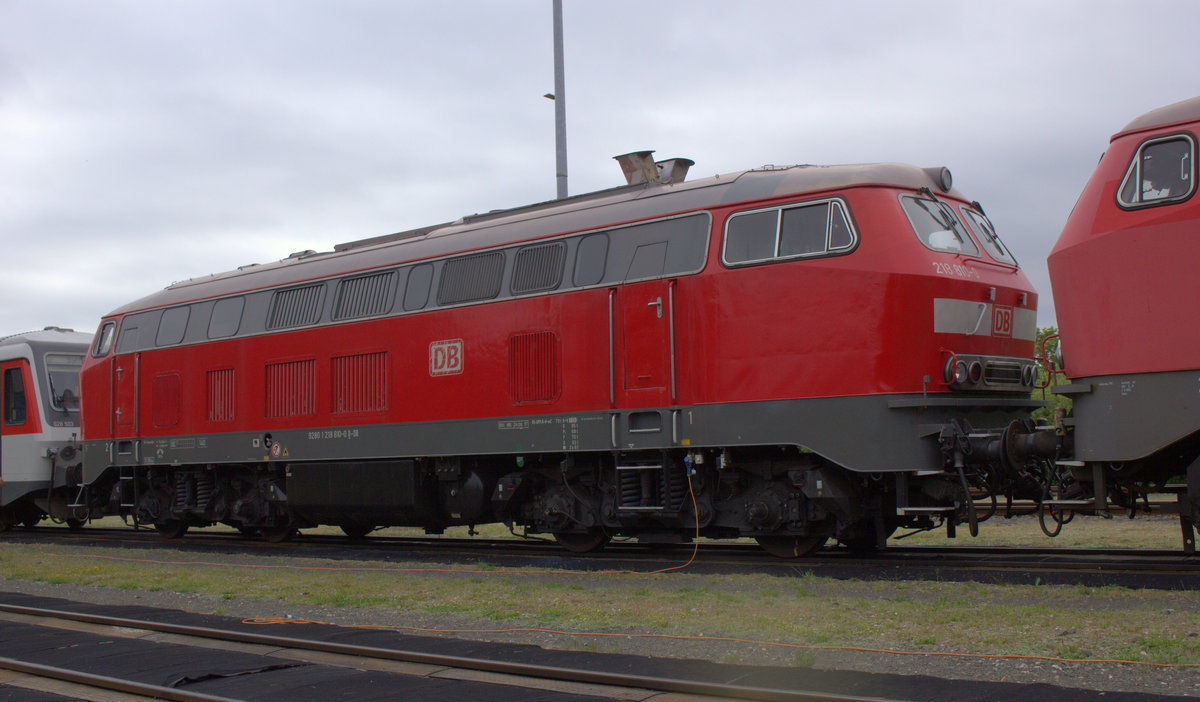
658,304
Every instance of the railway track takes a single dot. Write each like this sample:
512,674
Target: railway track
1153,569
292,651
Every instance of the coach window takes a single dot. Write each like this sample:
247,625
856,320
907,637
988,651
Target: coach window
590,260
104,339
226,317
1163,170
14,397
416,292
937,226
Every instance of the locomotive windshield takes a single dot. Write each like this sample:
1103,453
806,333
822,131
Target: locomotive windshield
63,371
986,234
937,226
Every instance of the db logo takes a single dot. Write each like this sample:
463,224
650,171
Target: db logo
446,357
1002,321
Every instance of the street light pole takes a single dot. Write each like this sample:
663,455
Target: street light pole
560,105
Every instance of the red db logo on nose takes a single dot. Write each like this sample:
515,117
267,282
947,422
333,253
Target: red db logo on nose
1002,321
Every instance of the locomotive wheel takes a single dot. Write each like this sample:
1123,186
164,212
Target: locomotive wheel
31,522
74,524
355,530
593,539
790,546
171,529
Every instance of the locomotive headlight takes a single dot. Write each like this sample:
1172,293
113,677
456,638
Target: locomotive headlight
960,372
948,370
975,371
1028,373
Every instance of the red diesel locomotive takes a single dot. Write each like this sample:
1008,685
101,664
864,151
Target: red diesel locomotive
1124,283
791,354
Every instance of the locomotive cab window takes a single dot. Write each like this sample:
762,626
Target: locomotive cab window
1163,170
986,234
812,229
937,226
104,339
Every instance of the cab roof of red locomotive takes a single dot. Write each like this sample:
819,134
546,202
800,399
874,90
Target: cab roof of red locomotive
1179,112
595,210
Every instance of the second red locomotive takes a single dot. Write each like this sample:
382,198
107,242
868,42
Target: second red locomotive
790,354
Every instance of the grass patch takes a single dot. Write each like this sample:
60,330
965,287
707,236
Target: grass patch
1048,620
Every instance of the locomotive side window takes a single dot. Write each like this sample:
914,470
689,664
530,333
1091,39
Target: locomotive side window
296,307
14,397
937,226
226,317
173,325
751,237
538,268
811,229
590,260
416,292
986,234
104,339
471,278
1163,170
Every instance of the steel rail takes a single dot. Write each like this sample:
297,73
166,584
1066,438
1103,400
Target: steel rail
528,670
104,682
616,550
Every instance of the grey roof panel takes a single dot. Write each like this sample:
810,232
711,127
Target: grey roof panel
584,212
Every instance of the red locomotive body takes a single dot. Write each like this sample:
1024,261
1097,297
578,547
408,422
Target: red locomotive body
1123,281
787,353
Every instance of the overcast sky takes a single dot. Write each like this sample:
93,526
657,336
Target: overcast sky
144,142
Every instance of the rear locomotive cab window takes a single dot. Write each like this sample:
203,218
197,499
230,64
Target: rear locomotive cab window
807,230
1163,170
986,234
104,339
937,226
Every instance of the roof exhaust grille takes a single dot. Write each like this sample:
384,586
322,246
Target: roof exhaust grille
640,167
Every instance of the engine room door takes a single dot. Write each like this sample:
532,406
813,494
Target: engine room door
647,318
125,395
